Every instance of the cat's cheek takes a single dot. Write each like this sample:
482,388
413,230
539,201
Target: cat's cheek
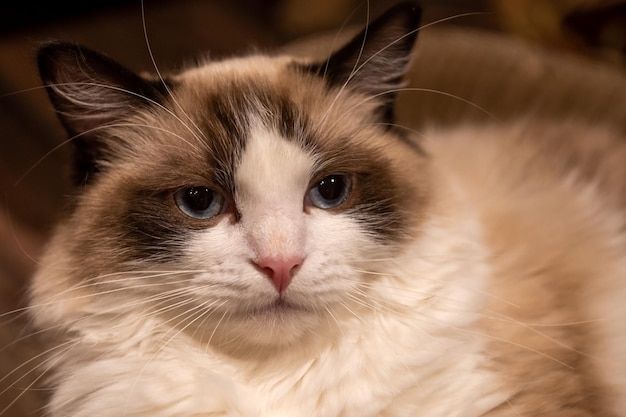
339,252
219,258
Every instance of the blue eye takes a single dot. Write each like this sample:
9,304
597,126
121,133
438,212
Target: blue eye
199,202
330,192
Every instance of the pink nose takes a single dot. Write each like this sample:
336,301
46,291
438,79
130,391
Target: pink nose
280,271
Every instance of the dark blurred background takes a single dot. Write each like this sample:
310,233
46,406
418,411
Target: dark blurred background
32,175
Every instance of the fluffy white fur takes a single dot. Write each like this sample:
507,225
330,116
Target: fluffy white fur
406,348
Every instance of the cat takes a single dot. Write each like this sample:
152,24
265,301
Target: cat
255,236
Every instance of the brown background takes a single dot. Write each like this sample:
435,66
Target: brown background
32,174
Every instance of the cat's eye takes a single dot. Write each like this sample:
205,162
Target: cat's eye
330,191
199,202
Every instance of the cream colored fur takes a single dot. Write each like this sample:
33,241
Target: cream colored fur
425,339
501,296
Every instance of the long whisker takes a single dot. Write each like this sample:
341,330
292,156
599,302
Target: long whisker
356,63
336,38
49,363
203,308
399,126
519,345
208,312
341,118
87,132
332,316
346,114
200,133
352,71
22,337
535,329
99,281
217,326
430,279
129,92
499,317
22,91
347,307
35,358
15,236
409,33
384,48
489,315
427,90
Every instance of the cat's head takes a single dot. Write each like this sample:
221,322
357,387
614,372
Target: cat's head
254,194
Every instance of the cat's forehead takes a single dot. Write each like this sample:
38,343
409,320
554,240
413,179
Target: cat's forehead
216,111
249,67
276,89
219,106
226,99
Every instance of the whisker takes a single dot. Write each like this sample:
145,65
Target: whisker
336,38
210,312
175,306
463,287
383,49
354,69
199,133
510,342
361,302
62,347
87,132
35,381
202,308
356,62
422,27
427,90
399,126
491,315
217,325
23,337
125,280
347,307
332,316
15,236
22,91
534,329
97,281
58,298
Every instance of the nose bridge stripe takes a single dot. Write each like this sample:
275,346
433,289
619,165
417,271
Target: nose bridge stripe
276,235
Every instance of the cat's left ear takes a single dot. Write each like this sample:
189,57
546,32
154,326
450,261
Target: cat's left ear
375,61
90,92
89,89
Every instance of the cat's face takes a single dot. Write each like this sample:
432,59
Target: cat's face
252,194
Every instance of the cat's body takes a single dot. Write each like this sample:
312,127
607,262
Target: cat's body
338,267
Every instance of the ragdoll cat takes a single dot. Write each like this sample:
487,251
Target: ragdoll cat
255,237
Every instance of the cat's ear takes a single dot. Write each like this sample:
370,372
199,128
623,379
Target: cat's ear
375,61
90,91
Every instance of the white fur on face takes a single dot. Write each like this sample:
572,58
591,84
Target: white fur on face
271,182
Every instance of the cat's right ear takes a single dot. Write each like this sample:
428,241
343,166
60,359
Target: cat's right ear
91,91
375,61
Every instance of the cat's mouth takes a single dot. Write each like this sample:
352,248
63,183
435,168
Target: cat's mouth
278,307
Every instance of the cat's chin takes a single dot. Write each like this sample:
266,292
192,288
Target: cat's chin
278,322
